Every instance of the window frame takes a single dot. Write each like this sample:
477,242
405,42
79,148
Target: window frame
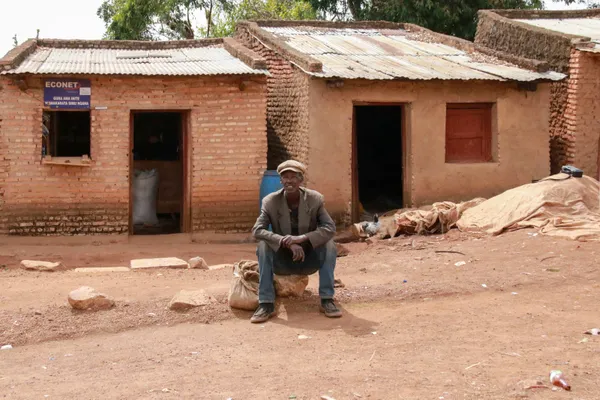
49,158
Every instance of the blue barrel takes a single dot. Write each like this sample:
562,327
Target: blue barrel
270,183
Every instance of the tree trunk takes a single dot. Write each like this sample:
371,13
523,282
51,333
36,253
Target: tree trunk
354,6
209,19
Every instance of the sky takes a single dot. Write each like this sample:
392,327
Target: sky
72,19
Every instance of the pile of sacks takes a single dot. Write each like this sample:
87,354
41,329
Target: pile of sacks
243,293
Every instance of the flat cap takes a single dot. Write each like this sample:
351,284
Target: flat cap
291,165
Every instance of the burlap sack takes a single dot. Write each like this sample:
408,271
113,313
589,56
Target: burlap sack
243,292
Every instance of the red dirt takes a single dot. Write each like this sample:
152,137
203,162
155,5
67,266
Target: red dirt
438,335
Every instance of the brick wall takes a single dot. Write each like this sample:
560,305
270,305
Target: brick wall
287,104
582,131
227,148
559,144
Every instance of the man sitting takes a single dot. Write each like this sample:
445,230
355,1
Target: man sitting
300,243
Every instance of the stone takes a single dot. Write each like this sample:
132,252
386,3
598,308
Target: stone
337,283
86,298
186,299
342,251
31,265
103,269
168,262
220,266
197,263
290,285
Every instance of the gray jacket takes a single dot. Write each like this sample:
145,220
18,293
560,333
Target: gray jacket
313,220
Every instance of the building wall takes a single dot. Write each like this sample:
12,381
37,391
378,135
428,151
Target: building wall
559,139
520,131
228,155
582,112
287,104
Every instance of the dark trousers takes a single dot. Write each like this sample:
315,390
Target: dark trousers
280,262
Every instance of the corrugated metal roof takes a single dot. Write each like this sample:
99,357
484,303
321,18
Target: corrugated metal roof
183,61
588,27
393,54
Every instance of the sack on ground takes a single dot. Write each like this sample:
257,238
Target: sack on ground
243,293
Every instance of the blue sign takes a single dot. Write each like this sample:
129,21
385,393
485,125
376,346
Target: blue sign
67,93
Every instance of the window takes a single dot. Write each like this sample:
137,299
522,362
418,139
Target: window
66,133
469,132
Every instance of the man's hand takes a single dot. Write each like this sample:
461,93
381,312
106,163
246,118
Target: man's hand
289,240
297,252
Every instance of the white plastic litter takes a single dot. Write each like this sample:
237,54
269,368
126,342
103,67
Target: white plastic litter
145,190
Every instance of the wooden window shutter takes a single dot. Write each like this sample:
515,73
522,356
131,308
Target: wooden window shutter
469,132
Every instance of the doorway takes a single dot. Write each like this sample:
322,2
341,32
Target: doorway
157,172
378,164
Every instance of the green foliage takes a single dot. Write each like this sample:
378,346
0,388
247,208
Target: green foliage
174,19
453,17
151,19
240,10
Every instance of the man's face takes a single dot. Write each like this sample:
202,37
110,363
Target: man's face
291,181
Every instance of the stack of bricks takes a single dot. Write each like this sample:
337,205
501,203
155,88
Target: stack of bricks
227,142
287,105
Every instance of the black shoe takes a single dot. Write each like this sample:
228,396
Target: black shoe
263,313
329,308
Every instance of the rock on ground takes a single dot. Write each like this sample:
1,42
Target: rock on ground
168,262
39,265
342,251
186,299
86,298
290,285
197,263
337,283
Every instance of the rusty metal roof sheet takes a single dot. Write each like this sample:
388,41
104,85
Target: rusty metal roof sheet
182,61
586,27
394,54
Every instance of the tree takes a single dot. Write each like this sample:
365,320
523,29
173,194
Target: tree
258,9
453,17
176,19
15,40
152,19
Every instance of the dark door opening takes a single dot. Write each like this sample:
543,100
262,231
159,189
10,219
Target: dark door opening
378,159
157,172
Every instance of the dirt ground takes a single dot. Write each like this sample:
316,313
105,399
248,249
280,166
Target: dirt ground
416,325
